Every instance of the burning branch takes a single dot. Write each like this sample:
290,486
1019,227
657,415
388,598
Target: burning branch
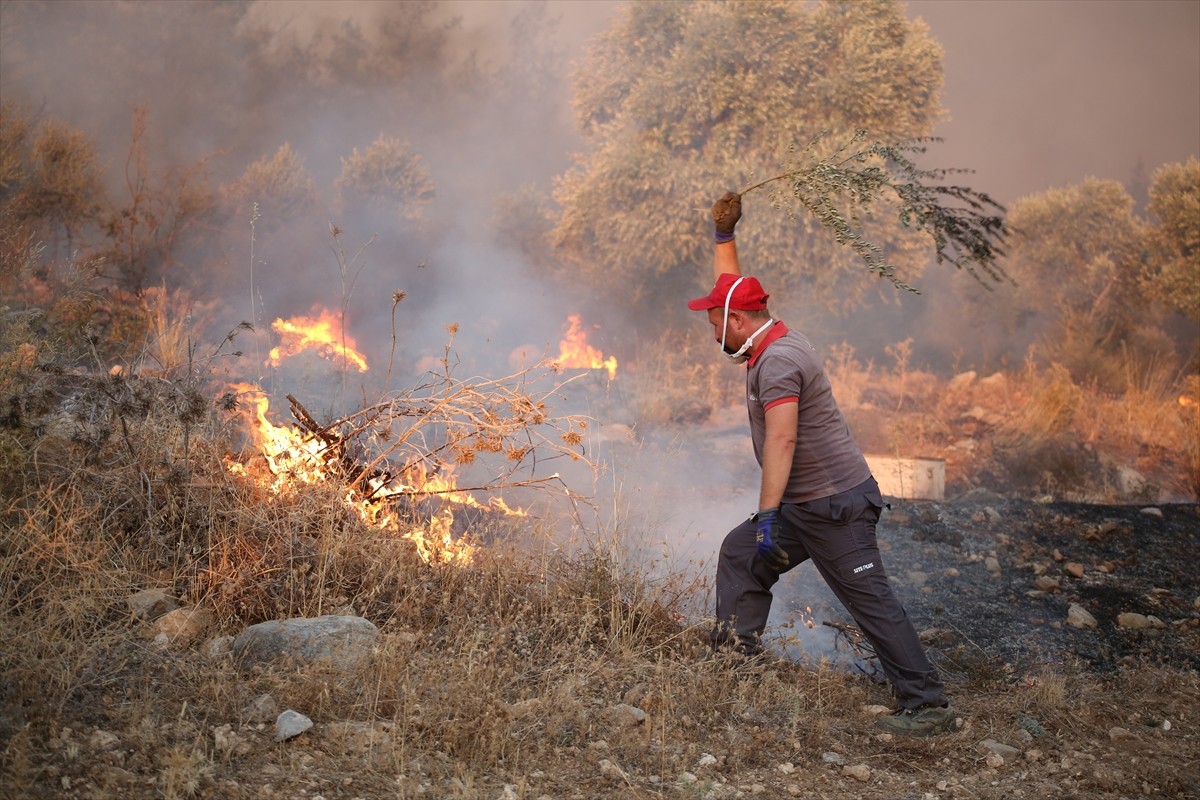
394,453
959,219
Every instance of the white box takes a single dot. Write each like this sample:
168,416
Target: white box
910,478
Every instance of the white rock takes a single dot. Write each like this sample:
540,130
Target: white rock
341,642
290,724
1130,619
1151,511
626,715
1118,734
1003,751
860,772
706,760
992,564
1078,617
830,757
103,740
787,768
261,709
687,778
150,604
184,624
610,770
875,710
218,647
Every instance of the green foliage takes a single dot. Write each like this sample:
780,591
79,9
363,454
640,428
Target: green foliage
1173,276
858,175
680,100
387,173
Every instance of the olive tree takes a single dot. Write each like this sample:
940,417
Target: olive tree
679,102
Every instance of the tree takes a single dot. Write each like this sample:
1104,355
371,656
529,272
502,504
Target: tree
147,235
387,176
279,186
49,177
680,101
1173,276
1079,257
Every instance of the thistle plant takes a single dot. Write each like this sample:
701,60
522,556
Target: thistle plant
967,226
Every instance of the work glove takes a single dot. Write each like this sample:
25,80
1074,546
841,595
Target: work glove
726,213
767,522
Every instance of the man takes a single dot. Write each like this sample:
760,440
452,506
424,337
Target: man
817,500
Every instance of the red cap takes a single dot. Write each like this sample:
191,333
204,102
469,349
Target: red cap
748,296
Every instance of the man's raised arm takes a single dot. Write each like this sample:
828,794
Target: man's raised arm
726,213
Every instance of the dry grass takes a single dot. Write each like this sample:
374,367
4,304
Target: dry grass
505,672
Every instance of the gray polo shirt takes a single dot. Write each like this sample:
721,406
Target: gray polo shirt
787,369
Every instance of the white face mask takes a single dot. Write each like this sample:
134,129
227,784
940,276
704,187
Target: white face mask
740,357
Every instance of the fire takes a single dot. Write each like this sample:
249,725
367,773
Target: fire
296,458
576,353
323,333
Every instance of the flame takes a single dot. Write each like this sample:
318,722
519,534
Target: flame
576,353
296,457
323,333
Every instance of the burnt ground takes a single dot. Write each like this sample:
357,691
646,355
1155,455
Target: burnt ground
1108,559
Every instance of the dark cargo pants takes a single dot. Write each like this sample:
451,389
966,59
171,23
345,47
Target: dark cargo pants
838,534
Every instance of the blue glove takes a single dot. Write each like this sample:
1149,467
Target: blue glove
768,529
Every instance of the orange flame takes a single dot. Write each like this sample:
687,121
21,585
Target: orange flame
575,353
323,333
296,457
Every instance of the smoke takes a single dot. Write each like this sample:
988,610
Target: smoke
480,90
1040,95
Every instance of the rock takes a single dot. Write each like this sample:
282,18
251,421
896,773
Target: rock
1132,483
1151,511
986,514
150,604
229,743
860,772
1119,734
837,759
626,716
1003,751
290,724
522,708
185,624
611,771
1078,617
340,642
787,768
103,740
218,647
876,710
1074,569
261,709
706,760
935,636
1047,584
992,564
687,779
951,572
1129,619
917,578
